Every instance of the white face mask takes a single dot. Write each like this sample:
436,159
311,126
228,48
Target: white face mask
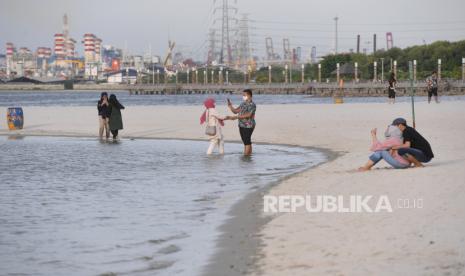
244,98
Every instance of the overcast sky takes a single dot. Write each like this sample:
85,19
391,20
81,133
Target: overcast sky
307,23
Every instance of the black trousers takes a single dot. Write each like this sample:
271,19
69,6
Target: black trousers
391,93
246,135
114,132
433,92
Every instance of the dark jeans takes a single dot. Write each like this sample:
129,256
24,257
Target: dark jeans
418,154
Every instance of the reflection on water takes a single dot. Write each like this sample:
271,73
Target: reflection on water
15,137
89,98
74,206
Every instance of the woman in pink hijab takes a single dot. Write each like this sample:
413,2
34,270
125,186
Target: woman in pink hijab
214,123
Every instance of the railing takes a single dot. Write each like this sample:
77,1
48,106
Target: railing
332,85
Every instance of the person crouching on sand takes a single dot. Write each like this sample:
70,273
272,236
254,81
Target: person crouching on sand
384,150
103,114
116,120
215,122
415,148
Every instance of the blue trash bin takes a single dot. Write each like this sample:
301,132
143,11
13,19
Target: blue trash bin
15,118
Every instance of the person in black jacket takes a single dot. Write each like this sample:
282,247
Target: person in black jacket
116,120
103,108
416,148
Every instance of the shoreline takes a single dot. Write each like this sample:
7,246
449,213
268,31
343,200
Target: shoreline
240,241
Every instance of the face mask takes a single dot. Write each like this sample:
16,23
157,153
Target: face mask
244,98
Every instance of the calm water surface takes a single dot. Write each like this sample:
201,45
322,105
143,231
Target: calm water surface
89,98
78,206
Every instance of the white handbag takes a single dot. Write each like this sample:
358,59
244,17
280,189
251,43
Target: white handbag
210,130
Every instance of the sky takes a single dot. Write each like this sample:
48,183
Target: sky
138,25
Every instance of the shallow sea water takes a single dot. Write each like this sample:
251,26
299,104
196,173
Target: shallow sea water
78,206
90,98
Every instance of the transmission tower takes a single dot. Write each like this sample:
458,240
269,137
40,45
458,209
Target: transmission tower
244,54
287,54
226,20
269,49
212,54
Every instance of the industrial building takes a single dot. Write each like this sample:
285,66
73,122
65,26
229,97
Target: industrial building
66,62
62,60
92,56
128,76
19,62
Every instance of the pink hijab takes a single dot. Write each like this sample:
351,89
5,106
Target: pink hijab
208,103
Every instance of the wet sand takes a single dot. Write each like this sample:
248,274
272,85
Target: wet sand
426,241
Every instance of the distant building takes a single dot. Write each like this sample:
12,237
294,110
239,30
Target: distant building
111,58
64,46
65,61
313,57
19,63
92,55
345,69
43,55
122,76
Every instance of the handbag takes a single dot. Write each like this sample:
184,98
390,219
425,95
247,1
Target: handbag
210,130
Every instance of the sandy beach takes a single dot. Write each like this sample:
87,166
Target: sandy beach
407,241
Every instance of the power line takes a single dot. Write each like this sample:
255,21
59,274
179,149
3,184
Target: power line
360,24
348,38
358,31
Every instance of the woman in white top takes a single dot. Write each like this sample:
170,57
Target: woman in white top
214,125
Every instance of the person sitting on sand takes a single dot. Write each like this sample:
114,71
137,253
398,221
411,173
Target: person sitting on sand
103,114
415,148
384,150
116,120
214,124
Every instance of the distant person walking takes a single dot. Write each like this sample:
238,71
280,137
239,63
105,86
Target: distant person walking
432,87
116,120
246,116
214,125
392,89
104,115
